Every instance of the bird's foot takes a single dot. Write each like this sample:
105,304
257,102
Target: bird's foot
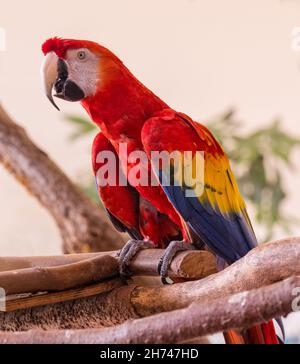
170,252
128,252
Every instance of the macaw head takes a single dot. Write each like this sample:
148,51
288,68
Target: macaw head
75,69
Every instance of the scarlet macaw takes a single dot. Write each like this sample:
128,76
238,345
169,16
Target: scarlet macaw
162,216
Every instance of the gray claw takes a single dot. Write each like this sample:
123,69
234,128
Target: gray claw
166,259
128,252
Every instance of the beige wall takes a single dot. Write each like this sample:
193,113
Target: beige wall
200,56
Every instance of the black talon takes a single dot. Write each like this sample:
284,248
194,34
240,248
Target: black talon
128,252
166,259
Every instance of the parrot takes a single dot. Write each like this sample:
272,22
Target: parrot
155,215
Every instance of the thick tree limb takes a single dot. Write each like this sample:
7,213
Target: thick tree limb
106,309
57,273
83,225
264,265
237,311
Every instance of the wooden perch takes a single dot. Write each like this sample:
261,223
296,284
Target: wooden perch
58,273
83,226
237,311
17,302
266,264
59,278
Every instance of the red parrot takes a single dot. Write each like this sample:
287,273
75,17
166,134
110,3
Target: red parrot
154,215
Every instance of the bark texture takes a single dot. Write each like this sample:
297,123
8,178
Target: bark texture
83,226
236,311
263,266
57,273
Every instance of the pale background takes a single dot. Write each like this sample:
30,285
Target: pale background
201,56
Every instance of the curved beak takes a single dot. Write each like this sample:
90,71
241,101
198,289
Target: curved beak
50,75
56,76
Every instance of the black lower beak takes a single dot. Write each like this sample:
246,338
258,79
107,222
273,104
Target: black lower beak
70,92
65,88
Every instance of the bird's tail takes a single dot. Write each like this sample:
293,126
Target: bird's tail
259,334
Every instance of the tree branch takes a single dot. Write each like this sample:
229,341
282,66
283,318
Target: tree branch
59,278
57,273
263,266
237,311
83,225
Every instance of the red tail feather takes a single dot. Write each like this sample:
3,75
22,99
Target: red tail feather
269,333
259,334
233,337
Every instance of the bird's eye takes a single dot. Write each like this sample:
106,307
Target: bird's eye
81,55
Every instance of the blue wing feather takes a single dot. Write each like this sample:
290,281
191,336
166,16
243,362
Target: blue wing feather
229,236
219,216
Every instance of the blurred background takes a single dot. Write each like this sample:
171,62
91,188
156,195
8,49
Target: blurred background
233,65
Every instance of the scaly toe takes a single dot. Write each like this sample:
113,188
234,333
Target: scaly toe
166,259
131,248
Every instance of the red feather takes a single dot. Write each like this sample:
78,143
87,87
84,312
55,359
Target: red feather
61,45
135,213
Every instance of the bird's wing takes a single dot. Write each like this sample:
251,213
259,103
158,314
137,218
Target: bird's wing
218,215
120,202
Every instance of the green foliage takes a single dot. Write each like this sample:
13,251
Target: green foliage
82,126
259,160
90,190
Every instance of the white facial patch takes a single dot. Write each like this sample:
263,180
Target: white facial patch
83,69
